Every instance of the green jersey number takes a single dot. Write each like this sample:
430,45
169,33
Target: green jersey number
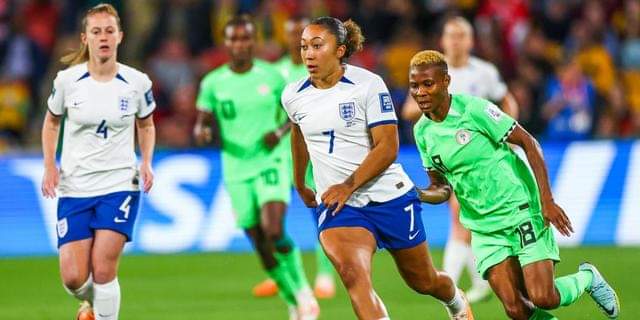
526,233
228,109
270,177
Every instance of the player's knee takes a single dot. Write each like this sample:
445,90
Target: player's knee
351,275
544,300
273,233
74,280
103,273
517,310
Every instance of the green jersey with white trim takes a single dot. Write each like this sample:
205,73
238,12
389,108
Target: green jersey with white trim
493,185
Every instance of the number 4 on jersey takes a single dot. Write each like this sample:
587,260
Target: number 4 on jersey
102,128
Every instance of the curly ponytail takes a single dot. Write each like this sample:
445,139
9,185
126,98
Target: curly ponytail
347,34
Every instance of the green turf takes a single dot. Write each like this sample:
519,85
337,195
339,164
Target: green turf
217,286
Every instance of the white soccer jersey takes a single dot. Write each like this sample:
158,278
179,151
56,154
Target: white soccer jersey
478,78
98,154
336,125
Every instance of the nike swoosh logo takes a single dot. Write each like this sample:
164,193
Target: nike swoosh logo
300,116
608,311
412,236
116,220
105,315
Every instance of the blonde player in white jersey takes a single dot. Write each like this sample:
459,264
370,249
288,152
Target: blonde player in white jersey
104,104
344,122
477,77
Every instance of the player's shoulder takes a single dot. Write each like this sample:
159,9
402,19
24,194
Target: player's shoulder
295,88
360,76
216,74
72,74
264,67
467,104
132,75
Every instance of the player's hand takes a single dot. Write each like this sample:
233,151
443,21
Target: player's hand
555,215
146,174
202,134
308,197
50,182
271,139
336,197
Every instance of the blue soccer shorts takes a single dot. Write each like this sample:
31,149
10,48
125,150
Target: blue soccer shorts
396,224
79,217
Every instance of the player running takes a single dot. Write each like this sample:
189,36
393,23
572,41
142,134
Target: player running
469,75
105,104
462,142
345,123
244,97
292,69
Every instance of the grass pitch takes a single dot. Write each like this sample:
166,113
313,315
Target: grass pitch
217,286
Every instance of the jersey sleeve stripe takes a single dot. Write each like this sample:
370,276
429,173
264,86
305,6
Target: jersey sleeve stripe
506,135
383,122
53,113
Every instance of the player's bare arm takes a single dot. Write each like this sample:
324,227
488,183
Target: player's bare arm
51,177
271,139
300,161
438,191
146,140
552,212
383,153
202,129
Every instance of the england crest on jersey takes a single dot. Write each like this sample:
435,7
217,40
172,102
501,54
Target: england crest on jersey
347,112
123,103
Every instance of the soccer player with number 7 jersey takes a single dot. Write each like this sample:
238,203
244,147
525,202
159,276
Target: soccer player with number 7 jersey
345,124
462,141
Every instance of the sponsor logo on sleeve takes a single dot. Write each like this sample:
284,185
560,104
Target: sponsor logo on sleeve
493,112
148,97
386,104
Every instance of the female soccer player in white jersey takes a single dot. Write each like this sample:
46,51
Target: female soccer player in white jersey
345,123
480,78
104,103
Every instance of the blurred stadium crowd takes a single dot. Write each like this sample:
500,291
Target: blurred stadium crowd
577,61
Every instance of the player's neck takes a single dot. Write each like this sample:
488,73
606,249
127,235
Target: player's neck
440,113
330,80
102,70
241,66
458,61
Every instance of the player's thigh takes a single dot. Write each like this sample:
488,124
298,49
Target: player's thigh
243,201
350,250
415,264
507,281
75,262
105,255
273,194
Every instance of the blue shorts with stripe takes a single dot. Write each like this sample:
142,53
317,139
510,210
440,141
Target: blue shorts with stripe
79,217
396,224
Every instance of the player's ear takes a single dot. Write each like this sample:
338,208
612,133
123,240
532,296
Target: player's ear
447,79
83,38
120,36
342,49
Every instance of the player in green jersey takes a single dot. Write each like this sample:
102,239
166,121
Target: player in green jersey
244,97
462,143
292,69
